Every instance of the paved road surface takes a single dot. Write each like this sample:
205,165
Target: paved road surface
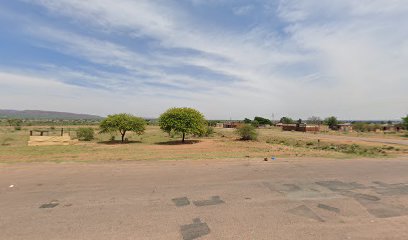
237,199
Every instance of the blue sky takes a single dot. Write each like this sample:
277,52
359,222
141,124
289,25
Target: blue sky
227,58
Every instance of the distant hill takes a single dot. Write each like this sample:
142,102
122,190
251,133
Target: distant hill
42,115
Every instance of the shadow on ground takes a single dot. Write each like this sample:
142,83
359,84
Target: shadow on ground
178,142
118,142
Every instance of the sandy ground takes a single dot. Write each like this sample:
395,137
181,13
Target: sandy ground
382,139
235,199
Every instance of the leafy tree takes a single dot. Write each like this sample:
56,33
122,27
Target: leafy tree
85,133
184,121
263,121
255,123
405,122
247,132
247,121
332,122
123,123
286,120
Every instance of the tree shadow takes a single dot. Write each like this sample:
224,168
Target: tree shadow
118,142
178,142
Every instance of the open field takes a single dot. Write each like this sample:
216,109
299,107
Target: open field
223,144
308,199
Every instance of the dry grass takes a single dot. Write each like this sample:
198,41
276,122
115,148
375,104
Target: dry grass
156,145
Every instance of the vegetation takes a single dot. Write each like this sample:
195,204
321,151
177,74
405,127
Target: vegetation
314,120
155,144
209,131
85,134
366,127
247,121
263,121
405,122
332,122
286,120
247,132
123,123
183,121
336,147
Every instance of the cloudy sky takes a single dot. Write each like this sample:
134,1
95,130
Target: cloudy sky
227,58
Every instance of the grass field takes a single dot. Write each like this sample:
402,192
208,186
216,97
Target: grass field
223,144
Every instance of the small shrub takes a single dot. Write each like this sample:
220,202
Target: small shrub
247,132
112,138
17,128
207,132
85,134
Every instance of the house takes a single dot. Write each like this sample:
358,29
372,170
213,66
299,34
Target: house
300,127
344,127
231,124
390,128
219,125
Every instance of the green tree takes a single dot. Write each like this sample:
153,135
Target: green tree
183,121
123,123
247,132
286,120
405,122
247,121
332,122
263,121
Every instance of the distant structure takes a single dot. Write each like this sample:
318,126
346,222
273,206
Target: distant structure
231,124
300,127
344,127
390,128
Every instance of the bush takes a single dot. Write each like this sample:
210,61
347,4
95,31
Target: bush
207,132
17,128
247,132
85,134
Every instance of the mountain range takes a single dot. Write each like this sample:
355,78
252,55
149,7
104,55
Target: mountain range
51,115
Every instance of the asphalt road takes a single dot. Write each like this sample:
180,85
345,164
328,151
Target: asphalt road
237,199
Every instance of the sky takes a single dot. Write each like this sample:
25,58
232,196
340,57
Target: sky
230,59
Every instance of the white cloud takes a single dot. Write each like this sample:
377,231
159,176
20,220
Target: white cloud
344,57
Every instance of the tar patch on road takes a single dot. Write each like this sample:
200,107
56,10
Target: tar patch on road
306,212
52,204
215,200
328,208
195,230
181,202
337,186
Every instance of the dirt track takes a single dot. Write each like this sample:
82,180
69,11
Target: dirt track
240,199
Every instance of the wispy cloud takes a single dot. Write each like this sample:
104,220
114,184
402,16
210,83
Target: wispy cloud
286,57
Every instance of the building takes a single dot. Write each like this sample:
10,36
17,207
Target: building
300,127
344,127
231,124
390,128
